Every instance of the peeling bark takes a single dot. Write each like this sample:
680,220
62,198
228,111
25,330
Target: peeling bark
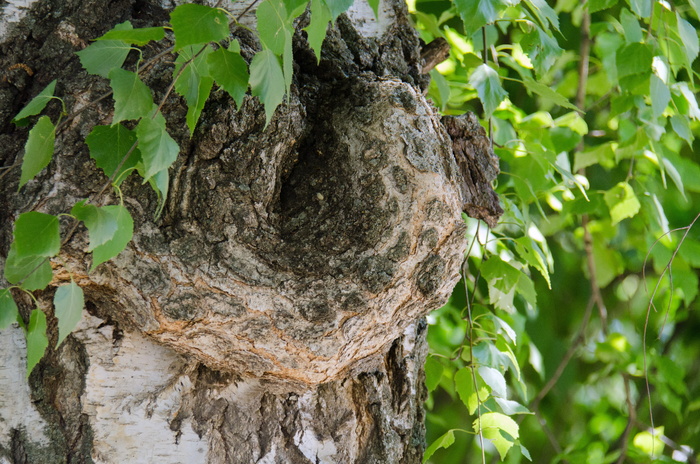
273,314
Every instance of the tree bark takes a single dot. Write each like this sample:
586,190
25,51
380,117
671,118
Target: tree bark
274,312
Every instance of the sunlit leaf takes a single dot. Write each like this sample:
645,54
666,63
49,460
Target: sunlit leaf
510,407
622,201
494,379
649,443
491,424
477,398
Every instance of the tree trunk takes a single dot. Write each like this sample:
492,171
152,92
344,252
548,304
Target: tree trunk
274,312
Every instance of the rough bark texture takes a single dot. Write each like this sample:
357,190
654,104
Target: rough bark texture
274,312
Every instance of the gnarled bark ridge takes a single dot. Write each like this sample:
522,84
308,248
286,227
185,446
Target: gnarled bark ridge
273,313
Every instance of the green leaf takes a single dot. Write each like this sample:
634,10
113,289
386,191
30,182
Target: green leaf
529,250
132,98
494,379
198,24
36,339
374,4
502,279
548,94
649,443
464,384
38,150
288,64
108,147
122,236
689,39
138,37
660,95
603,155
37,234
104,55
633,31
433,372
675,176
338,7
476,399
443,88
633,59
101,224
488,85
295,7
159,183
542,48
8,309
69,303
692,110
230,71
525,453
267,81
158,150
608,263
34,272
541,8
622,202
445,441
598,5
695,4
477,13
37,104
641,8
273,25
491,424
194,82
316,30
511,407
